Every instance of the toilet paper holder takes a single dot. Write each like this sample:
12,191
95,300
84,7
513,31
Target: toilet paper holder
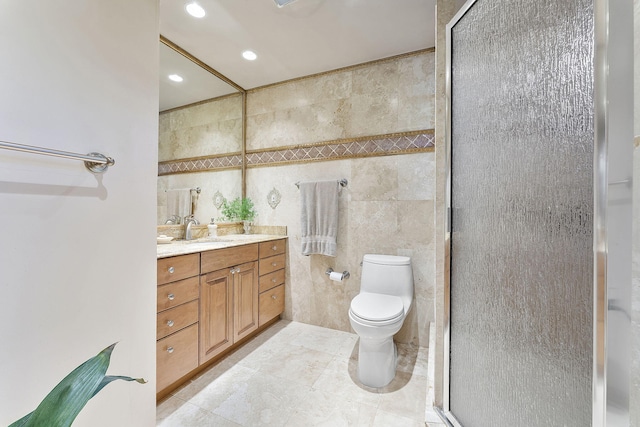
345,274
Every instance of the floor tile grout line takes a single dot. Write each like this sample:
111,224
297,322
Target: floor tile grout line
302,337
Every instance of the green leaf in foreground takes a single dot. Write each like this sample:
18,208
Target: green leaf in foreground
63,404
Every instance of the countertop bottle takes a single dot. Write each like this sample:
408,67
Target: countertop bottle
213,229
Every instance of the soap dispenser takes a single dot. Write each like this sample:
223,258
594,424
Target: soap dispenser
213,229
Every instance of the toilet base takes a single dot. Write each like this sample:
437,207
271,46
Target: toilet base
377,361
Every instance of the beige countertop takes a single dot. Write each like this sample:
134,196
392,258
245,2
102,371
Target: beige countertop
182,247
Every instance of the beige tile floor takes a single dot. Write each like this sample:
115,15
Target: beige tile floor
295,374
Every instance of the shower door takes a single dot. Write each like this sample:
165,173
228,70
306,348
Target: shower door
522,213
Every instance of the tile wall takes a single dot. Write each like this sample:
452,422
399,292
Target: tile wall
373,126
201,146
205,129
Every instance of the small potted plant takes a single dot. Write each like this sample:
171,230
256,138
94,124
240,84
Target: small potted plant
240,209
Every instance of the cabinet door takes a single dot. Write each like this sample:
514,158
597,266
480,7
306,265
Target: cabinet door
271,248
271,280
176,356
216,316
178,267
174,319
271,304
271,264
245,300
177,293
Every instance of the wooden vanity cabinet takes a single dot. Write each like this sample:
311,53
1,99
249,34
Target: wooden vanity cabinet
209,302
271,279
228,298
177,318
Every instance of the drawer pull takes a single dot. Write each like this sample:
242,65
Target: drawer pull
169,349
274,280
274,297
169,323
273,264
274,247
171,270
171,297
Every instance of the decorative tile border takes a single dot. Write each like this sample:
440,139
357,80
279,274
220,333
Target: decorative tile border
232,161
379,145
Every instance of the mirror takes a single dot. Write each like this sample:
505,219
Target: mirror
200,139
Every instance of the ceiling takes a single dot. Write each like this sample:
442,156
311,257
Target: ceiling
302,38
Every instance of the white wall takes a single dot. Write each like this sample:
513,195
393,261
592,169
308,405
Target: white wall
78,253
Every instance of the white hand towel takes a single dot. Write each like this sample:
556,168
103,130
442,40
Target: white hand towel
179,202
319,217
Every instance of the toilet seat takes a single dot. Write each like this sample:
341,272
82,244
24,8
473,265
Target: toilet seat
377,309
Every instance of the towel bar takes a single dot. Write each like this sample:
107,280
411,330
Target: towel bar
197,190
95,162
343,183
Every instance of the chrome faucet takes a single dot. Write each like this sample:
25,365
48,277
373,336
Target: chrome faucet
173,219
188,221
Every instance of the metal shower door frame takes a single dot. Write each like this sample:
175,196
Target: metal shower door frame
609,144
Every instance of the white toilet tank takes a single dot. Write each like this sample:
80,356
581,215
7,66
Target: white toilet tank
388,274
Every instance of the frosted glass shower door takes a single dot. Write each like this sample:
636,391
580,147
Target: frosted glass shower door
521,155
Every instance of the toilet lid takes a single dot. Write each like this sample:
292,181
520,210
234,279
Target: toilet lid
377,307
387,259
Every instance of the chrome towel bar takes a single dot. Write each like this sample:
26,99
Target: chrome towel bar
95,162
197,190
343,182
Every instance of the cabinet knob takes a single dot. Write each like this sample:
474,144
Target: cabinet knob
274,280
233,271
274,264
171,297
274,297
169,349
274,247
171,270
170,323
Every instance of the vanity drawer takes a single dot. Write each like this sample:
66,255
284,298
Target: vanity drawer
218,259
268,265
271,280
178,267
177,293
176,356
271,304
274,247
170,321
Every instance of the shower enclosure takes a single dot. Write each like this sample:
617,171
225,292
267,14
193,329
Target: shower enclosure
539,149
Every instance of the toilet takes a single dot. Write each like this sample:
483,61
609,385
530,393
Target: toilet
377,314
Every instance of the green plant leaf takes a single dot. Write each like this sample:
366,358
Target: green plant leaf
109,378
22,421
238,210
63,404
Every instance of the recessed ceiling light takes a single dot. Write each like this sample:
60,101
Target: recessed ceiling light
282,3
175,78
249,55
195,10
